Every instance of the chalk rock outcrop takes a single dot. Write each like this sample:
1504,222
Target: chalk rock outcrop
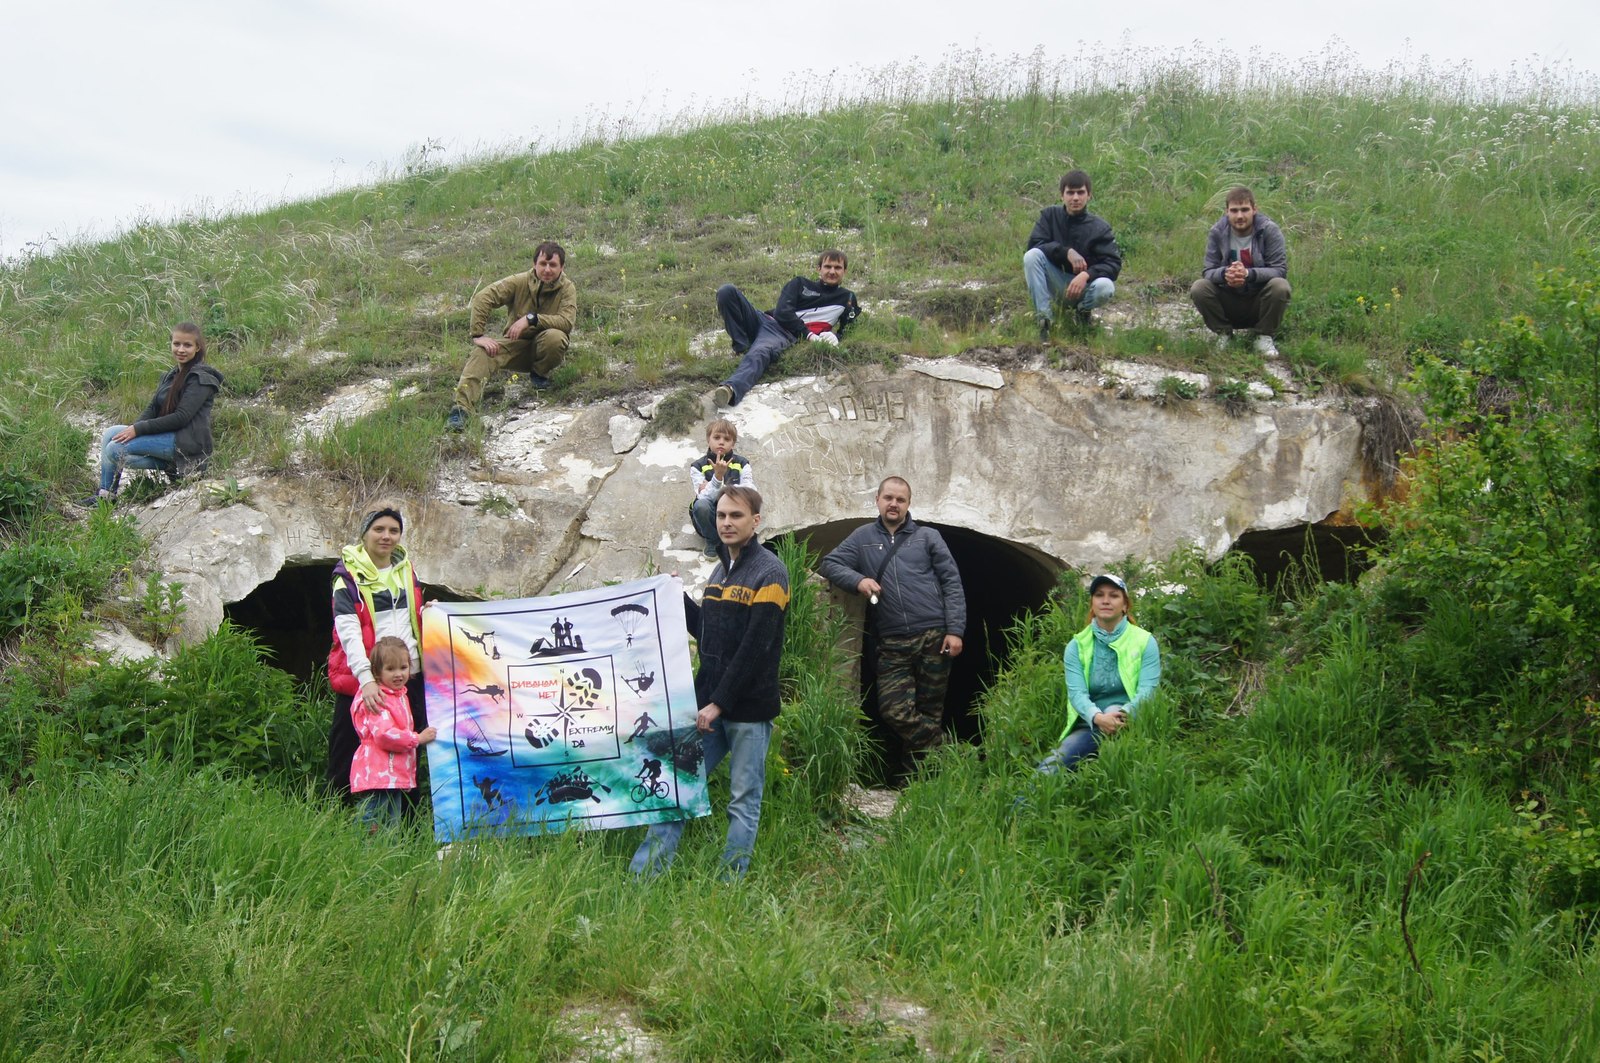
1076,467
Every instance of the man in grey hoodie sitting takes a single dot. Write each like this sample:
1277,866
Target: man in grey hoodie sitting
1244,283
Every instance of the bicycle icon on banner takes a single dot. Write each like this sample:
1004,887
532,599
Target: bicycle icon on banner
650,783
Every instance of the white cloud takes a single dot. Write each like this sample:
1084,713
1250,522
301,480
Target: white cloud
110,111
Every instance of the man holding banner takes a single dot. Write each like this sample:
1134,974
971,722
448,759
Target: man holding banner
739,627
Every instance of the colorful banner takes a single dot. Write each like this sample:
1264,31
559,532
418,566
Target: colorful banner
574,711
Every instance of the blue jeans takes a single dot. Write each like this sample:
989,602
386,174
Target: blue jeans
1081,743
1046,282
157,451
703,515
745,746
756,336
382,808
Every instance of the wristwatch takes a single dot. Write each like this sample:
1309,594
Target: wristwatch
533,319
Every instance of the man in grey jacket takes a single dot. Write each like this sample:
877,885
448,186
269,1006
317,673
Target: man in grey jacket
1244,283
916,612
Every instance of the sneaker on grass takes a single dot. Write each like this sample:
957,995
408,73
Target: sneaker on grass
95,499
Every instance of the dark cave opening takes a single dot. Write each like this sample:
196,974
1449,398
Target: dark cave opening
1331,552
291,616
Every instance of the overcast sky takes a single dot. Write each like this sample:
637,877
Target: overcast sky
116,112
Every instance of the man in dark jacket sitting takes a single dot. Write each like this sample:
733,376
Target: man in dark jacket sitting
1244,283
1072,256
817,309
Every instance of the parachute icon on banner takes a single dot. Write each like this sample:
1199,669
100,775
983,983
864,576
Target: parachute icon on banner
630,618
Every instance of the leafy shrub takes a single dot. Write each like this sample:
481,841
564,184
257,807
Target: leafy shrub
22,495
216,704
1206,611
1495,542
1564,849
1171,389
104,716
31,572
224,705
822,734
1234,397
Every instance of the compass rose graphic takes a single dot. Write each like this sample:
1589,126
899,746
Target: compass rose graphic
544,727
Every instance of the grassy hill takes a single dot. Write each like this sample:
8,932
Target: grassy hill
1414,219
1357,824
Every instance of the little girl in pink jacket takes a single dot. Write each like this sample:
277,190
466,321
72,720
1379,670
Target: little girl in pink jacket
385,765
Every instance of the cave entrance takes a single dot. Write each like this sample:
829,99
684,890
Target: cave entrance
1002,580
290,616
1332,551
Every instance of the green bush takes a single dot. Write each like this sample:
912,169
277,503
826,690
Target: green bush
223,705
822,734
28,573
54,568
213,704
1492,551
105,714
22,495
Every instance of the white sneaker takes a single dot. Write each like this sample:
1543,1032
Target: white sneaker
723,395
1220,341
1265,347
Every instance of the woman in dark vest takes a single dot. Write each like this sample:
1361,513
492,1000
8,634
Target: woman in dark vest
173,434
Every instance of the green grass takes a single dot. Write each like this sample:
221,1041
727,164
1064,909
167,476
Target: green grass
1380,183
1328,771
394,449
163,910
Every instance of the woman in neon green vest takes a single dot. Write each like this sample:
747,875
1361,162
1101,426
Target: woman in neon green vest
1105,662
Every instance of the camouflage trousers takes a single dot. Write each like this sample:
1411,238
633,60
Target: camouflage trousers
912,677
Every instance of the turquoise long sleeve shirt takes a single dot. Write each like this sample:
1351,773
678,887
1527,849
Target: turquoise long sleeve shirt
1103,689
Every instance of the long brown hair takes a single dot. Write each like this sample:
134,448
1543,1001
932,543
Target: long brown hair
188,328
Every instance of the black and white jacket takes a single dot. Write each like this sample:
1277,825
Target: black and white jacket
807,305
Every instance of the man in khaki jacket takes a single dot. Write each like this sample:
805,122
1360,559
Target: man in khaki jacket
542,305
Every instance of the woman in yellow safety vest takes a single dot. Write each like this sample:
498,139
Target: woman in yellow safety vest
1112,667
